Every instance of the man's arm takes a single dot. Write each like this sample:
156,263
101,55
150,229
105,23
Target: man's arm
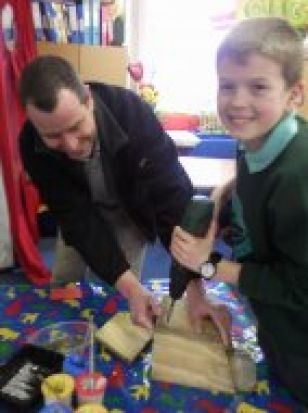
86,230
157,169
67,196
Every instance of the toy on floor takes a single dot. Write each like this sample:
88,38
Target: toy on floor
91,385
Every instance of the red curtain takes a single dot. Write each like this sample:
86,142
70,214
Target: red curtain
21,195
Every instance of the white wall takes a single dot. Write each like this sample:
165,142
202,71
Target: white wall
177,40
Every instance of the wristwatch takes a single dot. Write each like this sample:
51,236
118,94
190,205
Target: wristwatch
208,268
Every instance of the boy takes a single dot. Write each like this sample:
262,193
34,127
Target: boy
259,68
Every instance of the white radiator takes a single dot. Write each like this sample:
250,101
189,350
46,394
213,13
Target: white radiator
6,245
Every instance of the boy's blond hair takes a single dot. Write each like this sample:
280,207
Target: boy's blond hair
272,37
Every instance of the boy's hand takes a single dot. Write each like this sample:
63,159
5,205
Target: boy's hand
199,307
142,305
191,251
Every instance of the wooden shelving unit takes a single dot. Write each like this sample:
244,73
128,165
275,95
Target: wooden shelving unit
97,63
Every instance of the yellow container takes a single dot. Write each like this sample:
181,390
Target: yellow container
91,408
58,388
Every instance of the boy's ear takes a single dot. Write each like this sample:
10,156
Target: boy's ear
89,99
296,99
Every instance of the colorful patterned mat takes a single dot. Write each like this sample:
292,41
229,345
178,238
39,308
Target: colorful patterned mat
25,309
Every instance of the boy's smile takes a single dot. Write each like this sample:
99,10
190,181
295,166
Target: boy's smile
253,97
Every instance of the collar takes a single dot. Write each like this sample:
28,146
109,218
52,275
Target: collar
40,147
274,144
109,132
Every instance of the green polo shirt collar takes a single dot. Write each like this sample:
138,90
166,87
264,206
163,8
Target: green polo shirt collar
276,142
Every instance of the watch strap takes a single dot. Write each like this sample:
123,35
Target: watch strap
213,260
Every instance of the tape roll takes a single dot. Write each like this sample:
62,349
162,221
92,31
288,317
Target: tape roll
90,388
58,388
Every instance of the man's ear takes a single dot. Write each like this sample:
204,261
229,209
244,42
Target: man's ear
296,99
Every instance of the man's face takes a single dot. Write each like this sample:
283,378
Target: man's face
252,97
70,128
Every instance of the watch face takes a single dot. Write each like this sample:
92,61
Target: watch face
208,270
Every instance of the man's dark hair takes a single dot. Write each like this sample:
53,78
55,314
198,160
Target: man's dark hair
43,78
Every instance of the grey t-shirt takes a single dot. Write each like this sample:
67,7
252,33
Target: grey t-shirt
130,239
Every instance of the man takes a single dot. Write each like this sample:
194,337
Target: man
105,168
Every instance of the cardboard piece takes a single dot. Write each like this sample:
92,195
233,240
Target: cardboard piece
180,356
93,63
67,51
103,64
122,337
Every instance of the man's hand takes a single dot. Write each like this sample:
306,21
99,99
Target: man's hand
199,307
143,306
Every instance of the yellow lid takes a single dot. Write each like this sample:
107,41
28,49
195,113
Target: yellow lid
91,408
58,386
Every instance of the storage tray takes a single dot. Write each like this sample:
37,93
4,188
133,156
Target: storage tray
21,376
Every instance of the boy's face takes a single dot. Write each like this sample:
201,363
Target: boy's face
252,97
70,128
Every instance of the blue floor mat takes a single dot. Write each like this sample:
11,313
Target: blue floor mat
157,260
156,263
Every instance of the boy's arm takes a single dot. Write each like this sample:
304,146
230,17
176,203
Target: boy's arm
220,195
